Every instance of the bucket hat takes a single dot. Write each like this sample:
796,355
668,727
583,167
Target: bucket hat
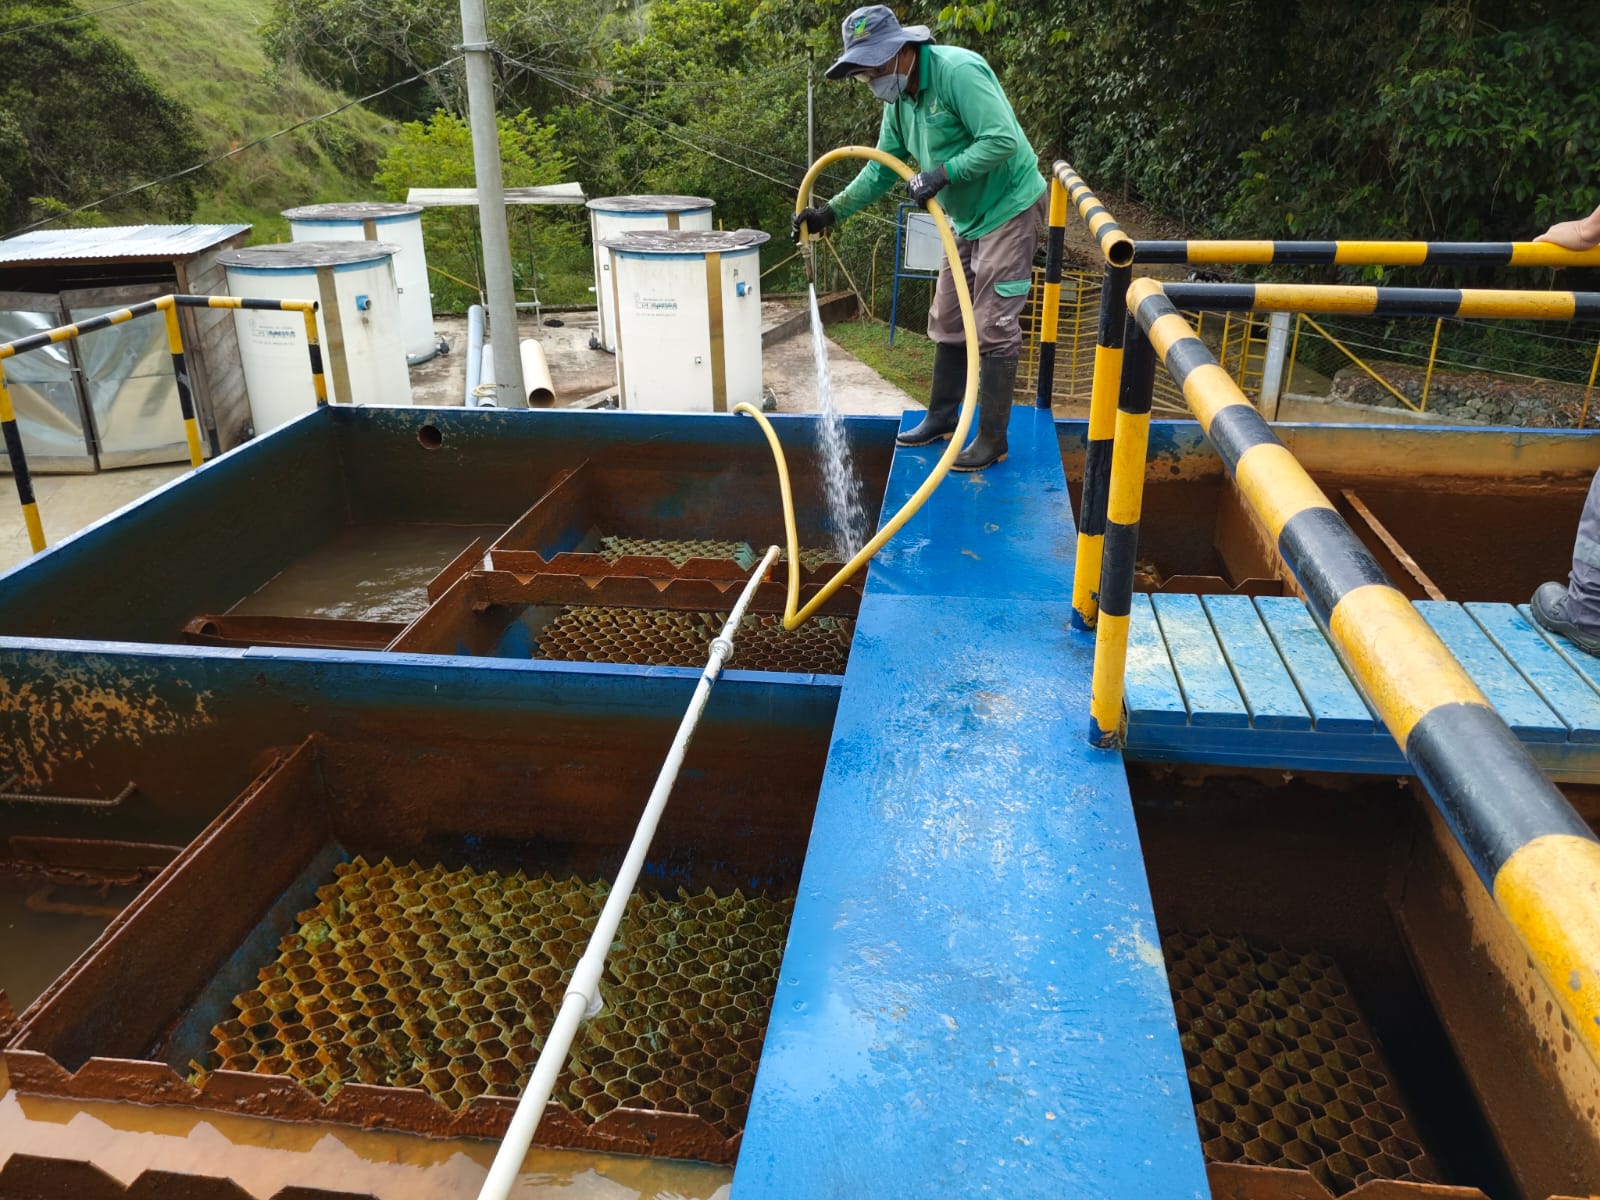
872,36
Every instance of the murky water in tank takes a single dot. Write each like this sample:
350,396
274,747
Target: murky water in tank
263,1157
365,573
841,484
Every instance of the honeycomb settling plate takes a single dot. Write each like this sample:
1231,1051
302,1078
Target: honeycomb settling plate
449,981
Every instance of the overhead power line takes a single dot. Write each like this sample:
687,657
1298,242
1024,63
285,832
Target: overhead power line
82,16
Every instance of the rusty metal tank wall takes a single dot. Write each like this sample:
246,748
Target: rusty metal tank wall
207,540
189,728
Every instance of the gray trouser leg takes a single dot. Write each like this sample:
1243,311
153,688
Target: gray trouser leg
999,270
1583,589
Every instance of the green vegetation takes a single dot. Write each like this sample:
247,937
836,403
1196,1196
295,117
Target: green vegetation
439,154
208,55
80,120
908,364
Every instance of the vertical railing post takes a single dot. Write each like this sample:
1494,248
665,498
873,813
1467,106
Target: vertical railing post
19,466
1583,415
1097,453
1124,501
319,382
1050,311
191,427
1433,355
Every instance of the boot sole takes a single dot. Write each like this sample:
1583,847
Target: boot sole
1567,630
970,470
938,437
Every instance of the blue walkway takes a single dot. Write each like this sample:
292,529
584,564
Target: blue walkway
1227,680
973,1000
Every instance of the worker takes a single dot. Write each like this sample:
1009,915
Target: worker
1572,609
944,108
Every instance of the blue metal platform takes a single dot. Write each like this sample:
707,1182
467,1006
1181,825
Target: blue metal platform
973,999
1228,680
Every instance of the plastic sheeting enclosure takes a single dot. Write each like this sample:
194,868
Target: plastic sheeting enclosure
688,318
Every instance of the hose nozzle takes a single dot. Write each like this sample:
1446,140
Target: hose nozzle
808,251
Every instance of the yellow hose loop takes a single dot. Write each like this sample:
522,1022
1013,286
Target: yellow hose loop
792,619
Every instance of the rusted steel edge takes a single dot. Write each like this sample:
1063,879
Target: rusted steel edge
691,595
411,1110
42,1178
1242,1181
653,566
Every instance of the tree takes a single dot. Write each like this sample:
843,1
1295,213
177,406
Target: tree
438,153
80,121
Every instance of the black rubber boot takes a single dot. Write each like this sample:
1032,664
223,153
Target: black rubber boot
944,399
997,379
1549,608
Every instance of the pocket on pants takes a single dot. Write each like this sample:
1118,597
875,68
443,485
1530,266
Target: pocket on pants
1012,288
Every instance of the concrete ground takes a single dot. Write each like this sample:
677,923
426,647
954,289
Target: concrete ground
69,502
578,372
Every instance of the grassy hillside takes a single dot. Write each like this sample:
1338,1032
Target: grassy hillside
207,53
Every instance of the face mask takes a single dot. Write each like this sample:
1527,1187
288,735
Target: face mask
889,88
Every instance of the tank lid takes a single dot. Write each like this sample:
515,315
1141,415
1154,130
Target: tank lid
291,255
685,241
360,210
651,204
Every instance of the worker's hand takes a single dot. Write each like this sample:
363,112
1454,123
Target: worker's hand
1571,235
817,219
925,186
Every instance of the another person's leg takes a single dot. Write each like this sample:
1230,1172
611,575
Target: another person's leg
949,357
1573,609
1002,273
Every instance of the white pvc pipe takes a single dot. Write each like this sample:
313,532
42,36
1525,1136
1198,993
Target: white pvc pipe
582,999
536,375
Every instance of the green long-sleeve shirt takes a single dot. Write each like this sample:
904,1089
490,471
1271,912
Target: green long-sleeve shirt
961,118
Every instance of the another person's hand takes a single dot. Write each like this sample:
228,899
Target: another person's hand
923,186
817,219
1573,235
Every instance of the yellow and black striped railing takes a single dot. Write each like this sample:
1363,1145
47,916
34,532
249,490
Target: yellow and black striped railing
168,306
1535,855
1116,245
1363,254
1119,521
1466,303
1117,249
1050,304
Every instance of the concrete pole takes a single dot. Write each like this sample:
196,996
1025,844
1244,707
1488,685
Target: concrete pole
509,392
1273,371
811,113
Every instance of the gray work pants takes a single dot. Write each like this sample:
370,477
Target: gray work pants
999,271
1583,587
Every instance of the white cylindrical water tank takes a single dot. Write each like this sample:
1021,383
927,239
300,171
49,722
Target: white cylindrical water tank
398,225
688,318
611,215
358,325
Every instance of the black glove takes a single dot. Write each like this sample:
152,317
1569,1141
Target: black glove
925,186
817,219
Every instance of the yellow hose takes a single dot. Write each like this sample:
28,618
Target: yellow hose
791,618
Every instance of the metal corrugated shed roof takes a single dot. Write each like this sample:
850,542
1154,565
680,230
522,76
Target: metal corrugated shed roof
115,243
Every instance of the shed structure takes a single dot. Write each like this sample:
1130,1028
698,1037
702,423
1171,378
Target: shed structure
110,399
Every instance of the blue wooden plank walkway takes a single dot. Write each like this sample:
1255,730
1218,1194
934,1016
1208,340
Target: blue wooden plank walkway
1267,658
972,999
